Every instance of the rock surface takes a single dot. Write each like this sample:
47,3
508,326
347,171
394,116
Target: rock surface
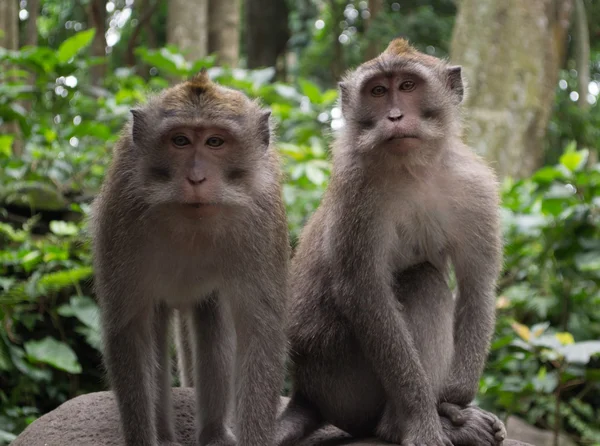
92,420
520,429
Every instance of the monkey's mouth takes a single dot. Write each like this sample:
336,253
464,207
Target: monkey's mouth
200,205
201,209
401,137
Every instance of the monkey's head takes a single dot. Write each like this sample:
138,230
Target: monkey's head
403,101
199,148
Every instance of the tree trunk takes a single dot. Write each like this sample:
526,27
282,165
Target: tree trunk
9,24
145,9
187,27
224,31
267,32
97,20
511,52
582,53
31,31
338,65
9,39
373,49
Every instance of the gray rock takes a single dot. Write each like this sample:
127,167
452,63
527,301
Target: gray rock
521,430
92,420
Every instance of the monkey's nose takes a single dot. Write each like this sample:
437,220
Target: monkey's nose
195,181
395,115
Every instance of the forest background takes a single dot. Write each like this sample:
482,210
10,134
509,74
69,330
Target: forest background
71,70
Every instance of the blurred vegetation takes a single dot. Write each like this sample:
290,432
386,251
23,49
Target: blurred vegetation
544,365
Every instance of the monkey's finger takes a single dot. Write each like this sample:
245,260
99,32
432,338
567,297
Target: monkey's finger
452,412
500,429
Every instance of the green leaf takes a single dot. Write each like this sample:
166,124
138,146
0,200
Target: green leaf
31,259
310,90
574,160
315,174
580,352
70,47
165,60
54,353
62,279
83,308
63,228
589,261
6,437
6,145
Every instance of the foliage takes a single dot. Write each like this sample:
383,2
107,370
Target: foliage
348,24
543,360
550,297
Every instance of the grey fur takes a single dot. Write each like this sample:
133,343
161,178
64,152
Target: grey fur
226,274
377,339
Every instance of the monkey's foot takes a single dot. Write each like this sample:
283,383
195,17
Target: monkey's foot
471,426
420,434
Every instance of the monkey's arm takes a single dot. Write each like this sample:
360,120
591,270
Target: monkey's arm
477,262
364,295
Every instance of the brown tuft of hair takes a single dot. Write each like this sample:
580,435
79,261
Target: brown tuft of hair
400,47
200,83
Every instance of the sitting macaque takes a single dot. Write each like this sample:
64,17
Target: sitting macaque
379,346
190,217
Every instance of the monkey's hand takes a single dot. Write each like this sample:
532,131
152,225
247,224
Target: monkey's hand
414,431
471,425
458,391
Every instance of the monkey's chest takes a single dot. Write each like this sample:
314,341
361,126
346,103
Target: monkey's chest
181,283
420,237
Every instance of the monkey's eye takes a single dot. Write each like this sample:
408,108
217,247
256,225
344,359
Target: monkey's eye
407,86
378,91
181,141
214,141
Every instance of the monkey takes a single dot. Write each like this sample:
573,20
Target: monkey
190,218
379,346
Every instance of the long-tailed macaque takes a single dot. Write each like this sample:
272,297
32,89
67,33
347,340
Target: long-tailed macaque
379,346
190,217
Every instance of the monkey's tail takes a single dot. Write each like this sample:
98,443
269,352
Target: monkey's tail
299,419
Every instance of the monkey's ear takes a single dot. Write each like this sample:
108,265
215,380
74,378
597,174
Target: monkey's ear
138,128
264,129
455,82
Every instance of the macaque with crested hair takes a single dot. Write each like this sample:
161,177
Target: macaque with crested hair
379,345
190,217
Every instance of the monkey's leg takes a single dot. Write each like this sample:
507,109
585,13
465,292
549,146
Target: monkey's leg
129,355
163,404
471,426
298,420
261,342
213,349
183,341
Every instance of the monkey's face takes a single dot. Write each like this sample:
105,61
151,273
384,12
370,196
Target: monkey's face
392,111
199,168
400,106
199,151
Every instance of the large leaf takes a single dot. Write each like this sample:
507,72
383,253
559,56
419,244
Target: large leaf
589,261
311,91
574,160
70,47
62,279
83,308
580,352
54,353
